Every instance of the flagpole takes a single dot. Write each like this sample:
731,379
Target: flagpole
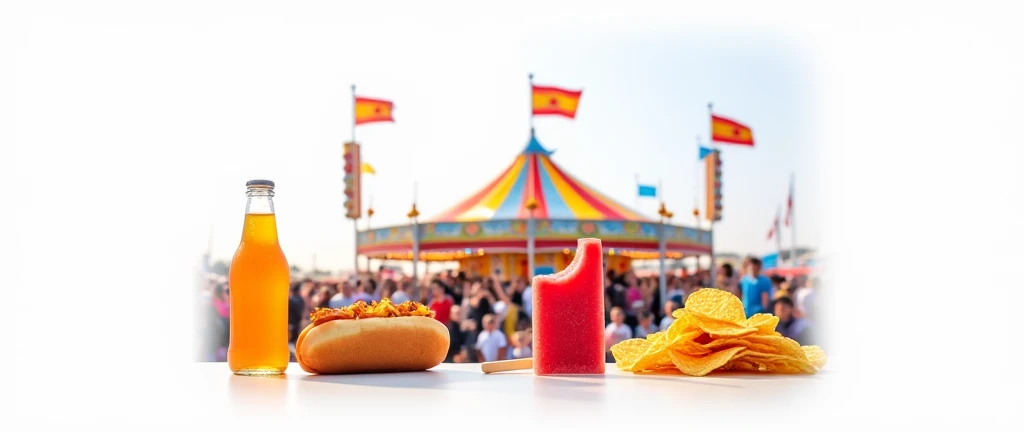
710,211
696,203
696,179
355,221
531,104
792,220
414,216
778,237
662,246
369,215
353,113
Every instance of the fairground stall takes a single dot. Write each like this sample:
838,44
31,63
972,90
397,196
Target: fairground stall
532,206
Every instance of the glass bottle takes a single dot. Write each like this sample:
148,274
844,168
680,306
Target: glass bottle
258,290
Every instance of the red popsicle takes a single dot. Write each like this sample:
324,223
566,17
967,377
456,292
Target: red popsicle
568,316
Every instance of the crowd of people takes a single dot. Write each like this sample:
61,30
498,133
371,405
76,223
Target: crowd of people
490,318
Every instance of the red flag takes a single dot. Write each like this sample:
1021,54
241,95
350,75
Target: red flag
373,110
775,225
555,101
730,131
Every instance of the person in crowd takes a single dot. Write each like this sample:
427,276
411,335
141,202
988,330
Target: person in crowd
607,309
804,298
634,299
615,289
406,288
461,290
518,288
505,309
756,288
653,297
440,302
779,287
798,329
220,322
668,319
616,332
365,290
393,292
689,286
645,325
454,333
381,290
344,296
470,334
527,301
221,300
296,306
307,292
727,279
326,293
479,303
491,342
675,289
521,346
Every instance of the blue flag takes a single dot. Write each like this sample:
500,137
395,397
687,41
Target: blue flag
647,191
704,151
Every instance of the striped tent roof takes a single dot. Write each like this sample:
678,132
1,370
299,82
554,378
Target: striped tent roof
559,195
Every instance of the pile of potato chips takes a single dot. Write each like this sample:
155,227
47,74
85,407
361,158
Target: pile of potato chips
712,333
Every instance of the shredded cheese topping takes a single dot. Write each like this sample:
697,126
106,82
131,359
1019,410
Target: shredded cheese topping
362,310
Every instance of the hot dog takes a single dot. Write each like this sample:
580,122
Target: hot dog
372,337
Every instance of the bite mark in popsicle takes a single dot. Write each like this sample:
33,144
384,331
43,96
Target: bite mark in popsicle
568,315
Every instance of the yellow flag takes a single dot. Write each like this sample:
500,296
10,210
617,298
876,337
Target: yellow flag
366,168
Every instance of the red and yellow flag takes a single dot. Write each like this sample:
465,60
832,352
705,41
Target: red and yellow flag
555,101
729,131
372,110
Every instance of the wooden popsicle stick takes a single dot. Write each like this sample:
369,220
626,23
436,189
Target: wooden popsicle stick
507,365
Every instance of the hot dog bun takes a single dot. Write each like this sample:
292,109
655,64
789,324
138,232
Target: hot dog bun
387,344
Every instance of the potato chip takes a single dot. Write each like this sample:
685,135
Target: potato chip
779,344
765,323
719,328
627,352
716,303
780,362
679,334
719,344
703,365
654,356
678,313
763,348
691,348
815,355
745,361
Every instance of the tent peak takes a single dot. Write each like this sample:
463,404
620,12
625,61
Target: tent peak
535,146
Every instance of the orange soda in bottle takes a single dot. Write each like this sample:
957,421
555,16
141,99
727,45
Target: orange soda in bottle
258,282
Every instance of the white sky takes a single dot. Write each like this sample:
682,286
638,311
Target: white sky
268,97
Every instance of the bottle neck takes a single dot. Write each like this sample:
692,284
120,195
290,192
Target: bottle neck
261,201
260,223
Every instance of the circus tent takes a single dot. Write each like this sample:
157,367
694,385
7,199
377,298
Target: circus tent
489,230
533,174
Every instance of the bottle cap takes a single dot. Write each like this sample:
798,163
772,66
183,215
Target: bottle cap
259,184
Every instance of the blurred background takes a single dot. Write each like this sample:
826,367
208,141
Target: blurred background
462,127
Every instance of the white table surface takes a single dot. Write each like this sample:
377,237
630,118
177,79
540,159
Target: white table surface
461,390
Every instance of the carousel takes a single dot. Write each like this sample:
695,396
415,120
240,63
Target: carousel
532,209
